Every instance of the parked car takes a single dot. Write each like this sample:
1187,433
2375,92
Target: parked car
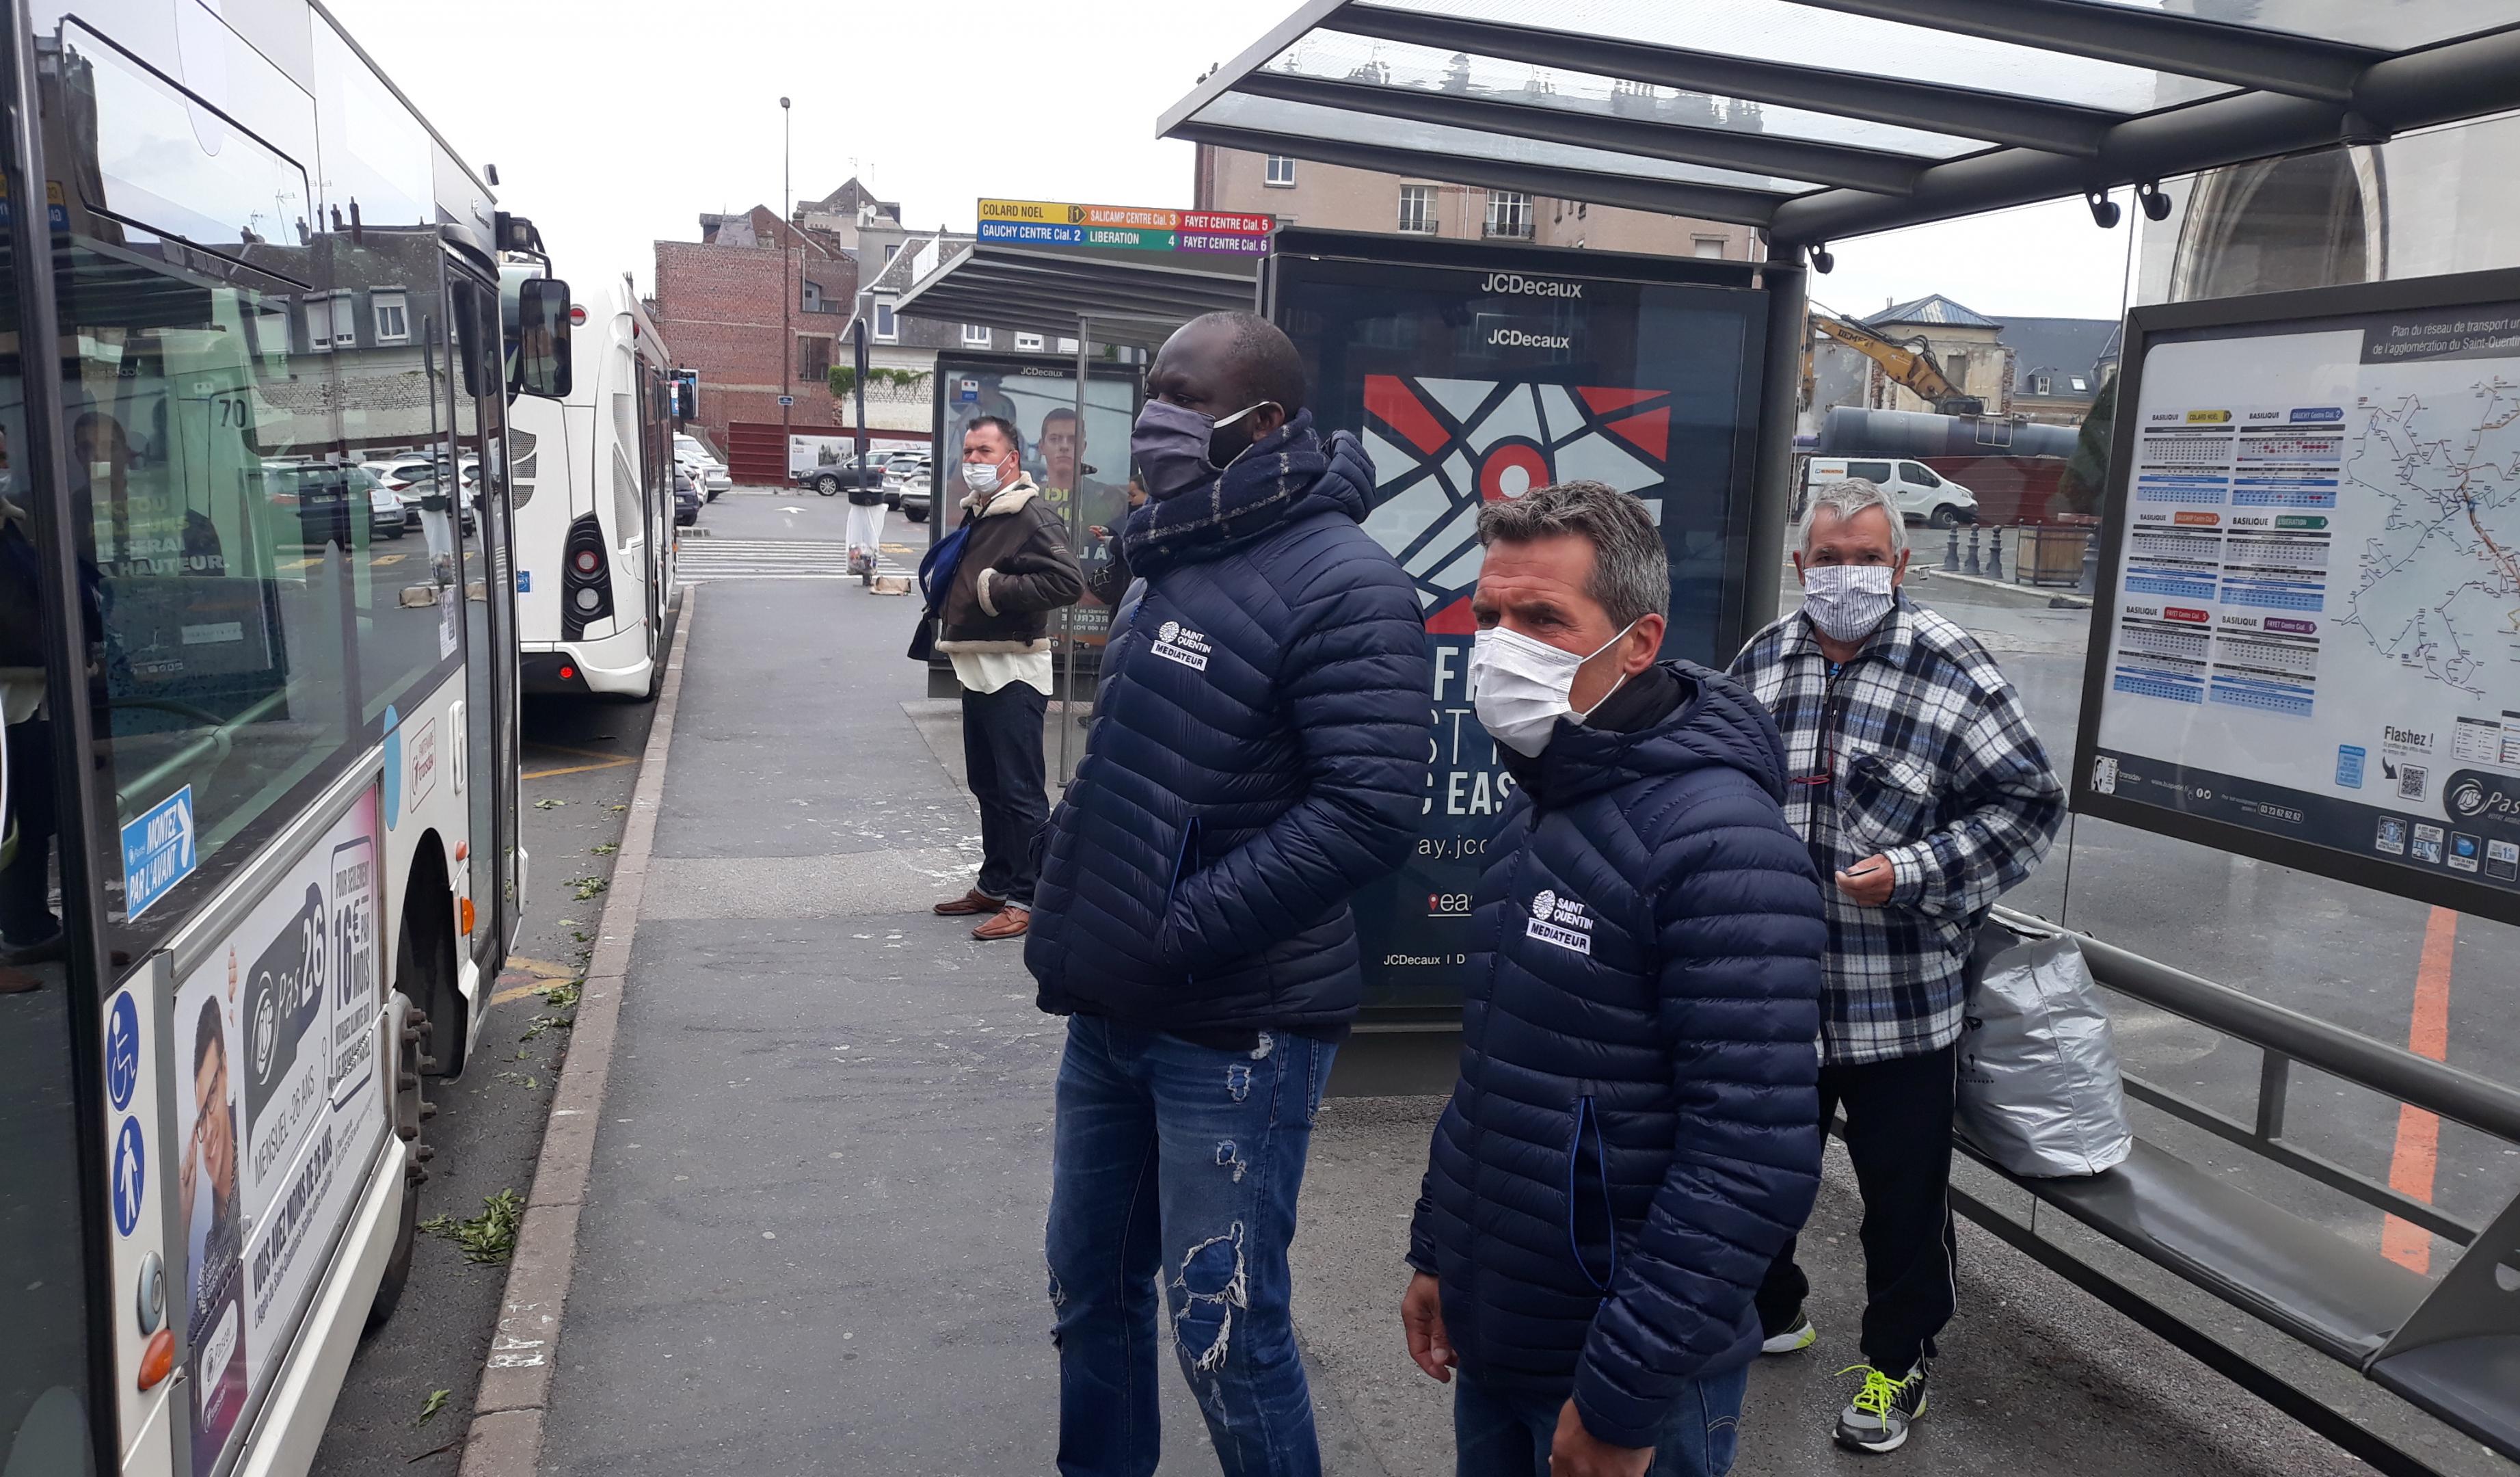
1919,493
830,478
387,518
687,499
319,493
414,479
709,474
913,500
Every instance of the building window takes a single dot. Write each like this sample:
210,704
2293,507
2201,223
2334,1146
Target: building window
1710,248
2081,387
812,358
393,317
1280,172
332,319
1509,214
1418,209
885,327
1068,346
1030,344
891,250
975,335
2040,384
1956,370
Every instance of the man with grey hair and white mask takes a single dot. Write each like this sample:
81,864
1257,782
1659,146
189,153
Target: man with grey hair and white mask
1916,781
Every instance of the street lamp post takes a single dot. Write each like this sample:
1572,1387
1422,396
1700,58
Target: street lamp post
786,292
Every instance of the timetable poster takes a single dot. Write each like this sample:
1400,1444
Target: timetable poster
2315,632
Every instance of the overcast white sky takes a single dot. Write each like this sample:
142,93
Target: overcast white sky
615,124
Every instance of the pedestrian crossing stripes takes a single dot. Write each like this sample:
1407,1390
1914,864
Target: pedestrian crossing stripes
702,560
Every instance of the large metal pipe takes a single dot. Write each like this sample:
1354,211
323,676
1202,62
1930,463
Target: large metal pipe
1850,430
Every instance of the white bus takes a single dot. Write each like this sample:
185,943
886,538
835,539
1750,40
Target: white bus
594,490
259,843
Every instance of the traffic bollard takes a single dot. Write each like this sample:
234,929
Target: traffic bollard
2091,583
1995,554
1951,552
1974,568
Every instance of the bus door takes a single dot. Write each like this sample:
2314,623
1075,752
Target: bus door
659,479
478,418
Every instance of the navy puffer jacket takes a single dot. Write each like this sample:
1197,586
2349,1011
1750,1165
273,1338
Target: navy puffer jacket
1634,1131
1258,753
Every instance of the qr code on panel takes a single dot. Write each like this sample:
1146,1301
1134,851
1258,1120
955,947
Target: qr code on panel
2411,782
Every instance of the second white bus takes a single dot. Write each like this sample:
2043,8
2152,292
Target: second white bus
595,509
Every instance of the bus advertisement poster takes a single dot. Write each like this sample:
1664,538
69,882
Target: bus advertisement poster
277,1030
1473,384
1082,472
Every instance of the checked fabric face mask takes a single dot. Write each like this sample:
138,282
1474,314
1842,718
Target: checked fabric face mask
1519,686
1846,601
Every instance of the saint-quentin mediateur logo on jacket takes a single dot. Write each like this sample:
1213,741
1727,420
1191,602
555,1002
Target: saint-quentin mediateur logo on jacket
1562,922
1176,643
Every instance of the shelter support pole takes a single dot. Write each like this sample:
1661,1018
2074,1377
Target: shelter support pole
1076,545
1772,493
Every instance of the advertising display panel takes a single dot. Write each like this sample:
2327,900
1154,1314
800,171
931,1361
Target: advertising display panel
1474,373
1083,472
279,1112
2307,644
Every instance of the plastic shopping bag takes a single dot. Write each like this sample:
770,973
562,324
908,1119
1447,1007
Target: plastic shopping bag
2038,1084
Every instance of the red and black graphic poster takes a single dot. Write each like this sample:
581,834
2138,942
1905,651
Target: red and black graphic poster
1470,386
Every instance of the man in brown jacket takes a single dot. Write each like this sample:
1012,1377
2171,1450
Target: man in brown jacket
1016,569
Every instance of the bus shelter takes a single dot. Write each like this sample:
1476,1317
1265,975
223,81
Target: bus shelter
2226,687
1116,307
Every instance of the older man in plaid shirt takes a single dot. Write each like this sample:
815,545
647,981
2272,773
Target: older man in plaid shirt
1923,795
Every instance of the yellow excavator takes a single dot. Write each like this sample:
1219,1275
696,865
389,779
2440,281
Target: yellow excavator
1910,365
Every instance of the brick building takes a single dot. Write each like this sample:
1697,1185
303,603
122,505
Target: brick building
718,304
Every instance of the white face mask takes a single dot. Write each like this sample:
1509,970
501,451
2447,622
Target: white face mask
981,477
1847,600
1519,686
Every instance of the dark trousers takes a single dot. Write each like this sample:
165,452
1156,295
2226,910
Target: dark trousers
25,887
1001,754
1899,1136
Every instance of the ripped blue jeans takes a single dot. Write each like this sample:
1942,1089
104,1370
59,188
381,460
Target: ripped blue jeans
1179,1164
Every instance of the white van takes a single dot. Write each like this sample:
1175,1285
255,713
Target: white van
1918,491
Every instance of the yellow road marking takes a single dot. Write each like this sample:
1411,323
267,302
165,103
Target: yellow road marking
609,761
547,974
573,769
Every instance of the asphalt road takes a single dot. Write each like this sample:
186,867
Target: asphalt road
580,760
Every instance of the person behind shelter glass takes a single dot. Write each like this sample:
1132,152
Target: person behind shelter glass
1923,794
1016,569
1258,753
1633,1132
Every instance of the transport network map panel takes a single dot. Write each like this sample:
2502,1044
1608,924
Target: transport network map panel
2312,635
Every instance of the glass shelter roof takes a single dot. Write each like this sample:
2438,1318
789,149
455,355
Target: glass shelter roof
1822,118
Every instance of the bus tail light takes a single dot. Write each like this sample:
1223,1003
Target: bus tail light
586,579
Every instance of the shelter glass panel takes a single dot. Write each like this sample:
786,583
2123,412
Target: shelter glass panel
1404,67
2382,24
1449,150
1778,31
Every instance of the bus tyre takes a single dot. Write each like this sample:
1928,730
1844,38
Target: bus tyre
410,1111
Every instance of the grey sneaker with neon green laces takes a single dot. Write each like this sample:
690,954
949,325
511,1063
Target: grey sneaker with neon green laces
1878,1417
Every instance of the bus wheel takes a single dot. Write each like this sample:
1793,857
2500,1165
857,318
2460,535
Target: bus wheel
410,1111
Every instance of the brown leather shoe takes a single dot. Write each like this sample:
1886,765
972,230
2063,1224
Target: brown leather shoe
974,901
1011,922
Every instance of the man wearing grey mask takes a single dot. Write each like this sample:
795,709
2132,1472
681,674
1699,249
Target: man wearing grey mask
1916,781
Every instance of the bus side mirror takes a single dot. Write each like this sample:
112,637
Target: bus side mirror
542,367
